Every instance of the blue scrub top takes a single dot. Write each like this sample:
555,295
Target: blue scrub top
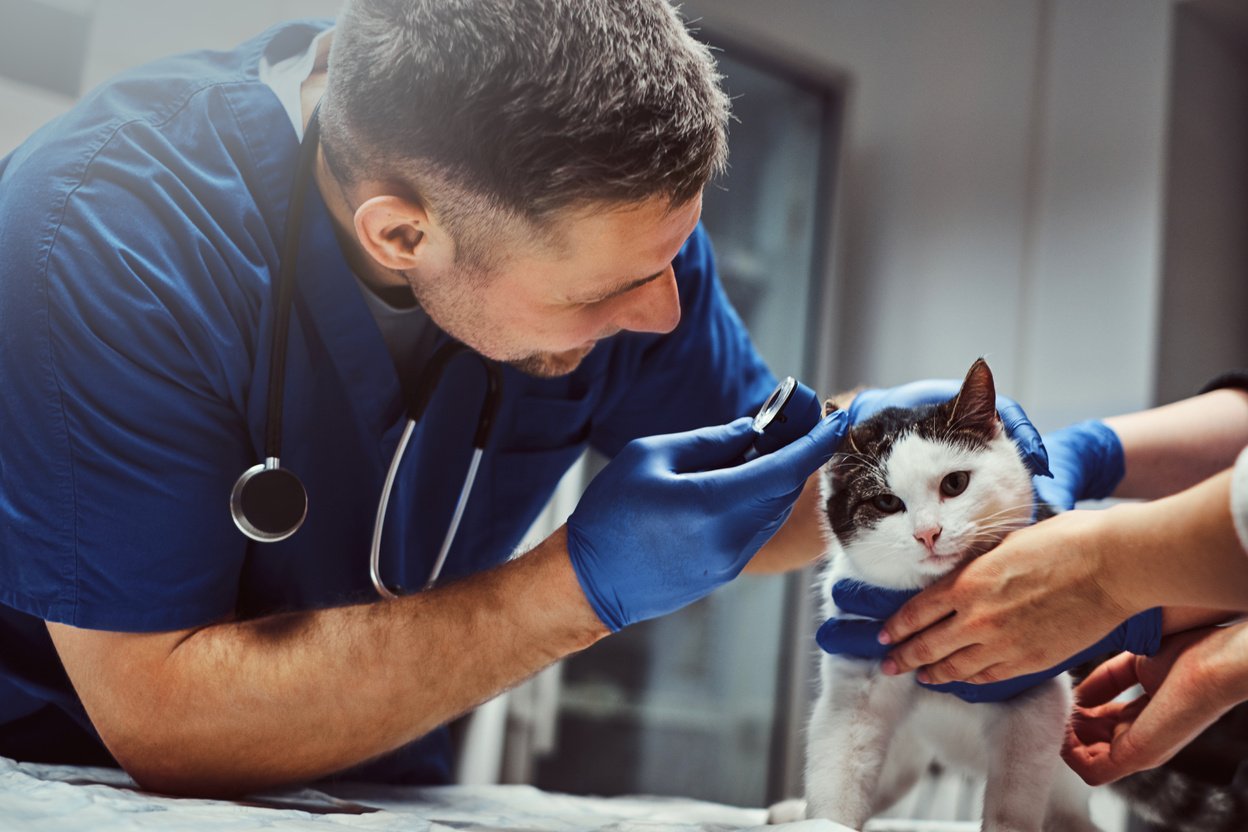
139,236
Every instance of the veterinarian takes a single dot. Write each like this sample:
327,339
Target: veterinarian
1052,589
171,318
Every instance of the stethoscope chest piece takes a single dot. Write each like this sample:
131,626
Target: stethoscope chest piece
268,502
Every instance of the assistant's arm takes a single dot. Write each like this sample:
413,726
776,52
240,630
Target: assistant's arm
1182,550
1170,448
239,706
1052,589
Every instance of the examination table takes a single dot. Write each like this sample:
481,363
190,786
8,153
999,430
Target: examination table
47,797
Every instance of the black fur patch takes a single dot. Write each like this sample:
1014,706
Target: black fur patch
968,420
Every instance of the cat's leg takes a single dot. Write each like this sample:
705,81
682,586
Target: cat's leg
905,764
787,811
849,736
1024,744
1068,804
903,767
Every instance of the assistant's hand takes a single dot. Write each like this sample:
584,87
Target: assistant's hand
1027,606
934,391
673,517
1087,464
1195,678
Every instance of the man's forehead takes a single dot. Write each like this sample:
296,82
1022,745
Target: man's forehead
629,244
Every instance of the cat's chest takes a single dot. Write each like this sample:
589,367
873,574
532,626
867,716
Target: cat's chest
953,728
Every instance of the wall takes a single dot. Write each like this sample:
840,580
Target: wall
1205,292
129,32
1001,192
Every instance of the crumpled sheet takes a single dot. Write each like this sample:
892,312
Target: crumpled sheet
47,798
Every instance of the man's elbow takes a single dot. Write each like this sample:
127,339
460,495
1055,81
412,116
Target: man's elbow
178,766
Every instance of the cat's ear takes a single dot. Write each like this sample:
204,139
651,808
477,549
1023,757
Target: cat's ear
835,469
975,407
837,472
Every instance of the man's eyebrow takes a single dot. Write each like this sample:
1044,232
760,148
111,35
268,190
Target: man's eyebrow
626,287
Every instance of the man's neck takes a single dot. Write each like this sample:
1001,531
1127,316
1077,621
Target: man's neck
380,281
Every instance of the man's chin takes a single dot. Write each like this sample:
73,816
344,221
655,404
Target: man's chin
551,364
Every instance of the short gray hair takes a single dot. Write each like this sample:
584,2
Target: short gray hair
525,107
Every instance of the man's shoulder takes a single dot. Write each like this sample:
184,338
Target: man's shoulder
189,120
160,195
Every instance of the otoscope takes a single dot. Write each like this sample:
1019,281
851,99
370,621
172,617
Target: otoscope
791,410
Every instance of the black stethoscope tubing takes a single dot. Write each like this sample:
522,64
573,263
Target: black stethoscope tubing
268,502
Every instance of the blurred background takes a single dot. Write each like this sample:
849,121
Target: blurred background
1058,185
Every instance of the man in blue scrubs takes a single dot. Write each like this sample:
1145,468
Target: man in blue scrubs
524,178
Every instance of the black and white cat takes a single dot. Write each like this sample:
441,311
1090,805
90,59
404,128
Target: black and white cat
911,495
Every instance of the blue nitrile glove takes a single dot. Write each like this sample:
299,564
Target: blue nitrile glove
934,391
857,637
1087,464
672,517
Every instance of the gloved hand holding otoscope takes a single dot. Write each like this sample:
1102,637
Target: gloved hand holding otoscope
673,517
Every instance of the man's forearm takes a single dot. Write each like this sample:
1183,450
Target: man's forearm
799,541
240,706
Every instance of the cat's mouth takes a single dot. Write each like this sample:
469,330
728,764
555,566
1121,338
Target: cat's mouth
938,559
947,560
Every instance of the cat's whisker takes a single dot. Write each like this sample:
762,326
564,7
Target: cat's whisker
1031,505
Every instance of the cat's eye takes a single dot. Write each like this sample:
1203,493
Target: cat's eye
954,484
887,503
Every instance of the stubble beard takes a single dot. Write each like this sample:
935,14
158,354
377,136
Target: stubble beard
457,317
550,364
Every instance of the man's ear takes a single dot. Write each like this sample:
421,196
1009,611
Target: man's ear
394,230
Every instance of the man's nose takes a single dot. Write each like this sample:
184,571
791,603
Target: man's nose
654,307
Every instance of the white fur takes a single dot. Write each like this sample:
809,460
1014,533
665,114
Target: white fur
871,736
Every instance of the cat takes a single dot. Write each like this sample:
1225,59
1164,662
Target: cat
912,494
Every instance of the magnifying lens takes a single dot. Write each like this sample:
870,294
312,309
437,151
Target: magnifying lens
791,410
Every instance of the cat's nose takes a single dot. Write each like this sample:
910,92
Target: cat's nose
928,536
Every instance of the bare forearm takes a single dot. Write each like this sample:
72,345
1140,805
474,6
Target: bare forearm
799,541
1181,619
241,706
1179,551
1170,448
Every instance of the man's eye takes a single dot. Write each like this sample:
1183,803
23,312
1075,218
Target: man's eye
887,503
954,484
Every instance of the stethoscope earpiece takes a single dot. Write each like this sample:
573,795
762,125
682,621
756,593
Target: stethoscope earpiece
268,503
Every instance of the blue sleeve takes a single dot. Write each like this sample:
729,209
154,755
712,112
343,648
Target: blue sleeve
125,368
705,372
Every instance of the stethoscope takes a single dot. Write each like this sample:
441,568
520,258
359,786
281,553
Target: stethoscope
268,502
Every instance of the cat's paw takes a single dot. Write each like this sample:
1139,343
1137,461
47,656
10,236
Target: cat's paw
787,811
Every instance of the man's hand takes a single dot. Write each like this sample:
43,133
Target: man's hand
1024,607
1195,678
673,517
